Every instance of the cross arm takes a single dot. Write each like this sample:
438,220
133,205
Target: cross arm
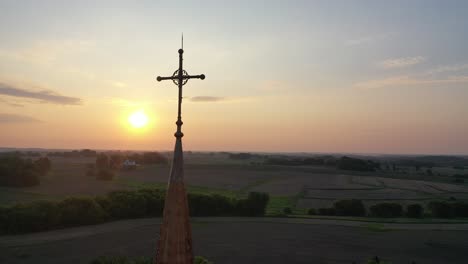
201,76
159,78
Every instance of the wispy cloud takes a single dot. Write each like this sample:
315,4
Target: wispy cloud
207,99
448,68
10,103
368,39
401,62
407,80
14,118
42,95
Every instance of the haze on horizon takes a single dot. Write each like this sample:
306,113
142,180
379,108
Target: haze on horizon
282,76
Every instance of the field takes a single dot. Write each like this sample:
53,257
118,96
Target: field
275,240
231,241
297,187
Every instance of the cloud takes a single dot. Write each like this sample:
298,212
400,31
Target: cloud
43,95
207,99
14,118
401,62
407,80
447,68
368,39
7,102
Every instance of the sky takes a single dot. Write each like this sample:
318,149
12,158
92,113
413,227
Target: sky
281,76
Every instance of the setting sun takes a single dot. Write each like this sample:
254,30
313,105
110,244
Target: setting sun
138,119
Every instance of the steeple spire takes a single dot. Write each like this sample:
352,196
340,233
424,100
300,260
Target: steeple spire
175,243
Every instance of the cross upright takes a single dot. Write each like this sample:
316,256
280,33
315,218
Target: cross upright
180,77
175,241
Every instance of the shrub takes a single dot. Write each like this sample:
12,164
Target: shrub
80,211
105,203
386,210
376,260
154,201
126,204
122,260
30,217
459,181
44,215
460,209
254,205
210,205
287,211
440,209
414,211
351,207
201,260
311,211
326,211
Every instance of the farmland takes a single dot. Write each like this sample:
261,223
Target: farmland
296,239
298,187
249,240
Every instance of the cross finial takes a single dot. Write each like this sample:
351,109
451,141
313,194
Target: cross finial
180,77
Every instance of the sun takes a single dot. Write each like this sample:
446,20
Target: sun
138,119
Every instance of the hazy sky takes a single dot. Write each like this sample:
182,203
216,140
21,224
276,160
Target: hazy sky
313,76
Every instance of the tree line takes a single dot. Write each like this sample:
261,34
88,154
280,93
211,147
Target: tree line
107,164
342,163
76,211
19,172
355,207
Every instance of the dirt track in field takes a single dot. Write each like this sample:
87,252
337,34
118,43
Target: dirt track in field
250,240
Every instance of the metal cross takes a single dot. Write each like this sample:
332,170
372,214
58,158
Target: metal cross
180,77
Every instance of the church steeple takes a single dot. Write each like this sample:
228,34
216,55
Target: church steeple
175,243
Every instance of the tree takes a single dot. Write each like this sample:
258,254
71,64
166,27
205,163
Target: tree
414,211
351,207
102,161
42,165
104,169
347,163
440,209
115,161
386,210
460,209
18,172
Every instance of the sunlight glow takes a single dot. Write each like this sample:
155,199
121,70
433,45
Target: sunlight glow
138,119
